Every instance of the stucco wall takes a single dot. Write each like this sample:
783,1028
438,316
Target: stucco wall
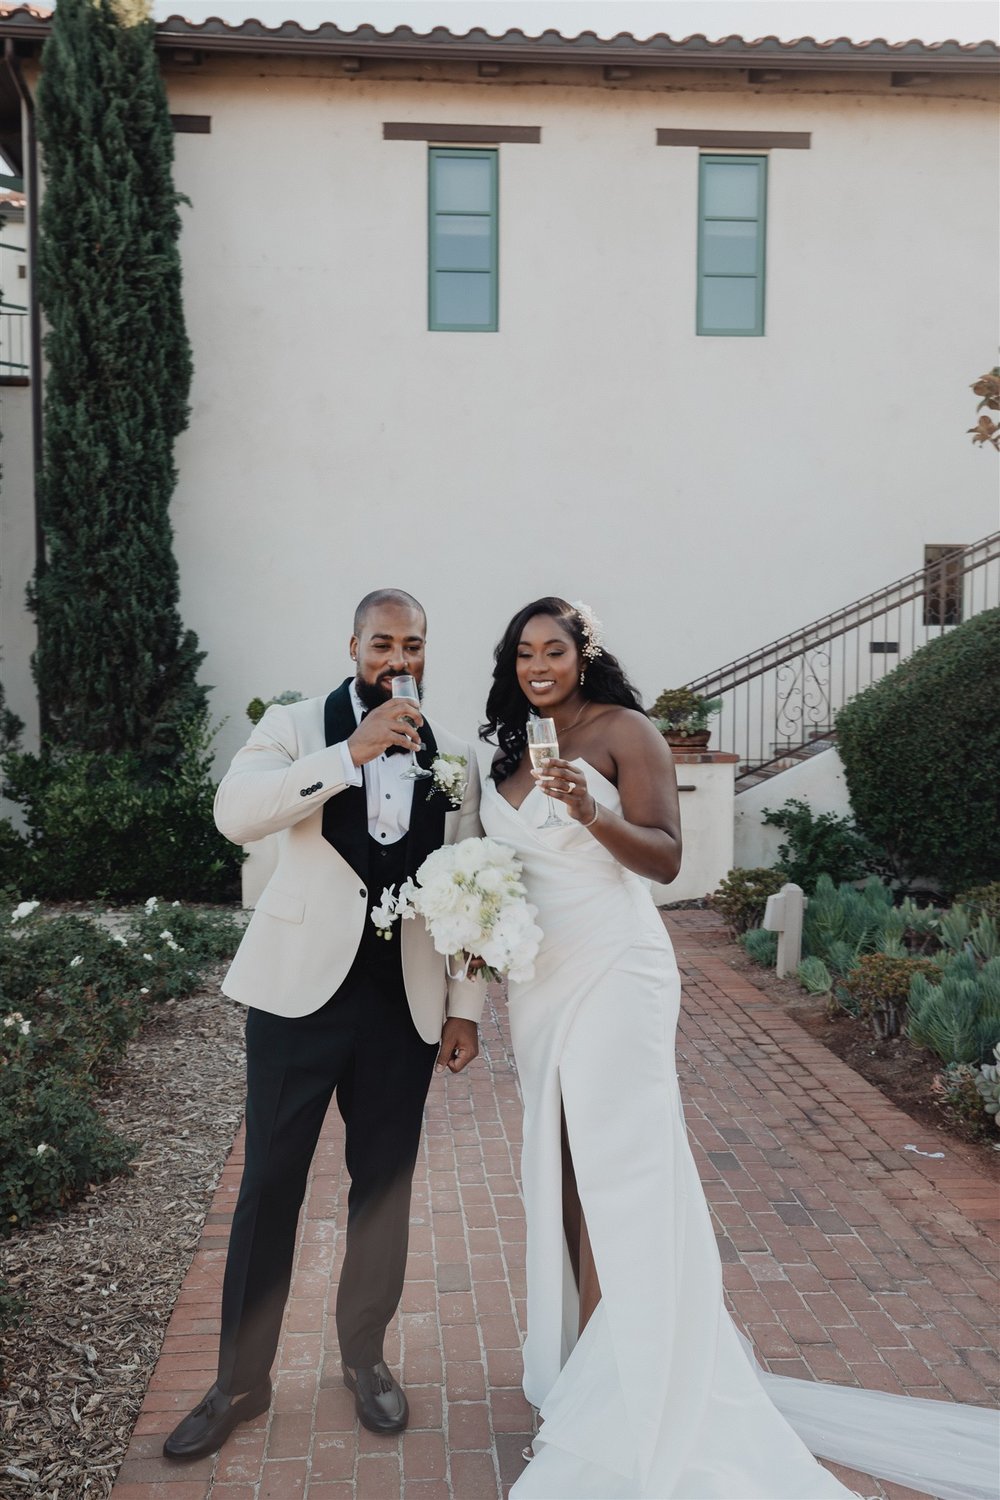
818,781
703,494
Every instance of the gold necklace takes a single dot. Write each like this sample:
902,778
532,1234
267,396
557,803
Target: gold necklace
575,722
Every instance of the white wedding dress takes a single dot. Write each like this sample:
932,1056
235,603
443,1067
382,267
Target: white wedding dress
660,1399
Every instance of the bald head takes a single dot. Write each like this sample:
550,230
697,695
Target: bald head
398,597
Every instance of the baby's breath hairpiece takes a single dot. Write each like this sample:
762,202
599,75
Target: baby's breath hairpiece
593,630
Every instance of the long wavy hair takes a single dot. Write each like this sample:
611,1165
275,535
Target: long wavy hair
508,710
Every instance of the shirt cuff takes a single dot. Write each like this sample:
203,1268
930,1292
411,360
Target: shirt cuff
353,775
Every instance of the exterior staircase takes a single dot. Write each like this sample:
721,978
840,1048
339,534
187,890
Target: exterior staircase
779,703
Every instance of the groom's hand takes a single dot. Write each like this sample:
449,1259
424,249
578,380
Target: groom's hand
385,726
459,1044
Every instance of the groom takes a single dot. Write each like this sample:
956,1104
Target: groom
334,1007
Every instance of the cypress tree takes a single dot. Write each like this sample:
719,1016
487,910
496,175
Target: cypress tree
115,669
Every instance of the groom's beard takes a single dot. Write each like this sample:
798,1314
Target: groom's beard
374,694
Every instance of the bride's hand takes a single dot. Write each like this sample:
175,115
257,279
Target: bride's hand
567,784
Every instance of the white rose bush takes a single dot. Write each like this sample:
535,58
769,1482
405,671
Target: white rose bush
474,905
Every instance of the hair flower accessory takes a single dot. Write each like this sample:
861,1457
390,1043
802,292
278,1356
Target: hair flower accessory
593,630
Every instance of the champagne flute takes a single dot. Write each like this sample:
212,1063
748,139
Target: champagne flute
543,746
405,686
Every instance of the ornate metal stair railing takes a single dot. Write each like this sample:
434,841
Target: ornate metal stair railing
781,699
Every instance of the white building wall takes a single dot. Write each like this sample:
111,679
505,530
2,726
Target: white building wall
818,781
705,495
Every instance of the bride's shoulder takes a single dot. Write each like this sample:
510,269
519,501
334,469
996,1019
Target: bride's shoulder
631,733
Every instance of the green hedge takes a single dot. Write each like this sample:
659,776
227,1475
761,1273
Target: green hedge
103,827
921,750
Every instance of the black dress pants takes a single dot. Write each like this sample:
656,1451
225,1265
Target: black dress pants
363,1044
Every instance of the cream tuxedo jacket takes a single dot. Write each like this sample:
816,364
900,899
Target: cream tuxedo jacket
304,934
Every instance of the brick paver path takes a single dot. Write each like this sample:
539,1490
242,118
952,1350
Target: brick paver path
846,1258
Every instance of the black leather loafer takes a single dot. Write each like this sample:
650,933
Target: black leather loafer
205,1429
379,1399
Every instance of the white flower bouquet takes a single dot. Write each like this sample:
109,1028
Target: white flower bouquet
472,900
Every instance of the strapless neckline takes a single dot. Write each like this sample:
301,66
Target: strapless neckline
576,761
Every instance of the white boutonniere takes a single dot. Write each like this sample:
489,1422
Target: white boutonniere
450,777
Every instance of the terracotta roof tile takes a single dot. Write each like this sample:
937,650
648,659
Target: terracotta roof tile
550,46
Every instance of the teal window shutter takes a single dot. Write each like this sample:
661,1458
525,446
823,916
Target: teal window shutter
732,210
463,241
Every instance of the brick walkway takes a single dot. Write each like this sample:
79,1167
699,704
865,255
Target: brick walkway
846,1258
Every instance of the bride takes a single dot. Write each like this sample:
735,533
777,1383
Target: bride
646,1391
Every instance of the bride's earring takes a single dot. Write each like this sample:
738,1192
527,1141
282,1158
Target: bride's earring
582,676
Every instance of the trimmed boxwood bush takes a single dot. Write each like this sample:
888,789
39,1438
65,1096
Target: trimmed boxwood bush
920,751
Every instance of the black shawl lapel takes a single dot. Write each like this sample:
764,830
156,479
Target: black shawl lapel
345,815
429,808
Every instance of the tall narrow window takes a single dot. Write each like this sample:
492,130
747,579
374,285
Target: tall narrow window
943,580
463,240
732,197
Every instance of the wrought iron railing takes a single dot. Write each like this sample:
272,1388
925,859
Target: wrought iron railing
15,337
15,328
781,701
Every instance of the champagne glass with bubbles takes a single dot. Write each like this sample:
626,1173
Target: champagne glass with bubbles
405,686
543,746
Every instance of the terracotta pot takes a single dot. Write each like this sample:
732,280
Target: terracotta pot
678,741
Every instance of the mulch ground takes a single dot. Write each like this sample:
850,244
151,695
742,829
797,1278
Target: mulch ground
100,1281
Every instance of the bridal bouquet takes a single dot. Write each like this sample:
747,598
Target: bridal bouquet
471,898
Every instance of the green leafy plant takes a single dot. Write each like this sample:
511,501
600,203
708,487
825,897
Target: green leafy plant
760,945
841,923
680,711
742,896
879,988
814,976
257,707
938,815
981,900
987,1084
957,1091
818,844
957,1015
102,826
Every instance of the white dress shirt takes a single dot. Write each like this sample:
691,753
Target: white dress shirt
390,797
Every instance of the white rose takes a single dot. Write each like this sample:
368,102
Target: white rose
24,909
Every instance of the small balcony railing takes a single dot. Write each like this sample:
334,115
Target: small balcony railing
15,339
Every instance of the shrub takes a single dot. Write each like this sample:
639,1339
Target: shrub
814,976
100,827
981,901
822,844
958,1017
938,814
841,923
987,1085
742,896
257,707
74,993
957,1090
879,988
761,946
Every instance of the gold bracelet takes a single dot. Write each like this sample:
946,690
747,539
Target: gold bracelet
597,808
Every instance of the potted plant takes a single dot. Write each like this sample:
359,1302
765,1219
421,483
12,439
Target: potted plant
682,717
